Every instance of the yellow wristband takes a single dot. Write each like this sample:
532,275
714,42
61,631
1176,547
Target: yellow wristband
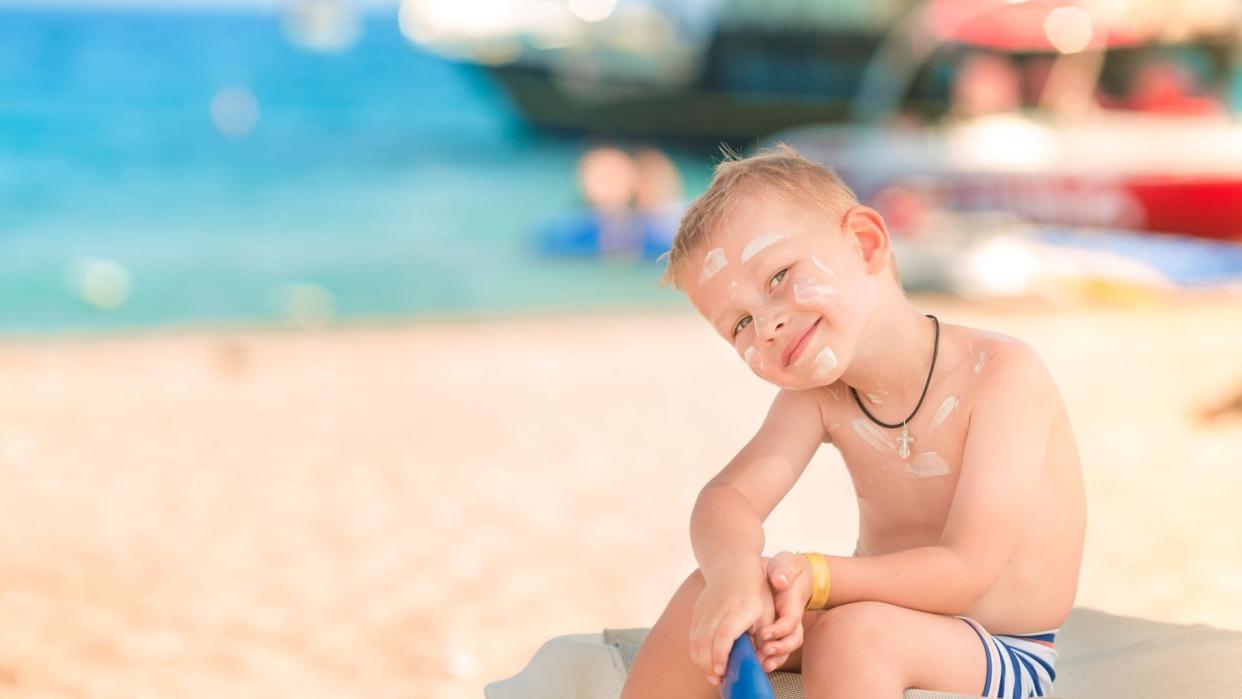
823,581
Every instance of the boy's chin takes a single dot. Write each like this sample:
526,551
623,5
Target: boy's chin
802,383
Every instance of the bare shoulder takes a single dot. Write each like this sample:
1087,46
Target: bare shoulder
803,408
1008,370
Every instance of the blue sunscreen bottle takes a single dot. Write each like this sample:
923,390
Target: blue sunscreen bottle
744,678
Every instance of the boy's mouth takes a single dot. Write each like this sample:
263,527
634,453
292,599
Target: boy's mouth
792,352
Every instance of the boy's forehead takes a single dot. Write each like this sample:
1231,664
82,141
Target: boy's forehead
731,248
752,217
723,264
758,220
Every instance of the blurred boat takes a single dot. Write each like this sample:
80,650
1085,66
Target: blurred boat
1165,157
738,70
1070,264
732,70
745,82
1137,171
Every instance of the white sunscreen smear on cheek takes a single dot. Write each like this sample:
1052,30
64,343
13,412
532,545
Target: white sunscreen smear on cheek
750,355
825,362
927,465
947,407
824,267
713,263
753,247
871,434
807,291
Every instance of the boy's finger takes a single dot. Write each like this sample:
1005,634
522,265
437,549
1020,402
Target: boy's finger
771,664
778,647
789,606
789,617
781,627
770,614
701,646
784,569
785,644
722,643
781,574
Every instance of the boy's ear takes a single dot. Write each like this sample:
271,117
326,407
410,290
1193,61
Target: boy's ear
867,232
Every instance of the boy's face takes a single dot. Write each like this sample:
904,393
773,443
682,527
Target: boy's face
785,287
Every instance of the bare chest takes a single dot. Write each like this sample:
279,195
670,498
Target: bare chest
900,489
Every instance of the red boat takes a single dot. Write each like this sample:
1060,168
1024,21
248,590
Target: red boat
1136,171
1164,156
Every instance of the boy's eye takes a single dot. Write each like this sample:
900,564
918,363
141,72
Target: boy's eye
741,325
776,279
772,284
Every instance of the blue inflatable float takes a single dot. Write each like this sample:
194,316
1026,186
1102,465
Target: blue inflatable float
587,233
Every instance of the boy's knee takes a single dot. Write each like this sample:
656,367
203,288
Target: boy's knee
849,635
682,603
695,581
691,588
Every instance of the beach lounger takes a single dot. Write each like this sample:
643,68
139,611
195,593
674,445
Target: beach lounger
1099,655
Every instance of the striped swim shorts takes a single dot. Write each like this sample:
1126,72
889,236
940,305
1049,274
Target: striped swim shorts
1019,665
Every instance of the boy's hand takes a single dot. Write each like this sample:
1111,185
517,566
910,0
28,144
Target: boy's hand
792,582
729,605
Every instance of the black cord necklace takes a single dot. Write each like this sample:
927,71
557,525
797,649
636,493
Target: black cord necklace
905,439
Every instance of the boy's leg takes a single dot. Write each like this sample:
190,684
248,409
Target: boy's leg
663,667
874,649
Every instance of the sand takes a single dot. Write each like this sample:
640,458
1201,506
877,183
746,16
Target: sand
411,511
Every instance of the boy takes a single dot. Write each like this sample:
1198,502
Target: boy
970,495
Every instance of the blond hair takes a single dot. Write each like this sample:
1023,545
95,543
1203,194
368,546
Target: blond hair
779,170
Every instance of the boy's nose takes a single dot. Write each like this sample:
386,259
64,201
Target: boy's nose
770,327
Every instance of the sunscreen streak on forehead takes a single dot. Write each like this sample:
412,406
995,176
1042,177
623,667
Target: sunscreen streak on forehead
871,433
732,290
946,408
713,263
927,465
753,247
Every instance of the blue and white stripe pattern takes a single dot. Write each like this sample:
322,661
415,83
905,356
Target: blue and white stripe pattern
1019,665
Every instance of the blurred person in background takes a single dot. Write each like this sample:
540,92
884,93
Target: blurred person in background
630,206
608,178
986,84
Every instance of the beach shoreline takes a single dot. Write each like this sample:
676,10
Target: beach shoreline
411,508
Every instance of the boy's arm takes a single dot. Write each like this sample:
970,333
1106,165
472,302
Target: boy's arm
1004,453
726,526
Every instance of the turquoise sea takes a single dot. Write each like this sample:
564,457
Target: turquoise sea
393,182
